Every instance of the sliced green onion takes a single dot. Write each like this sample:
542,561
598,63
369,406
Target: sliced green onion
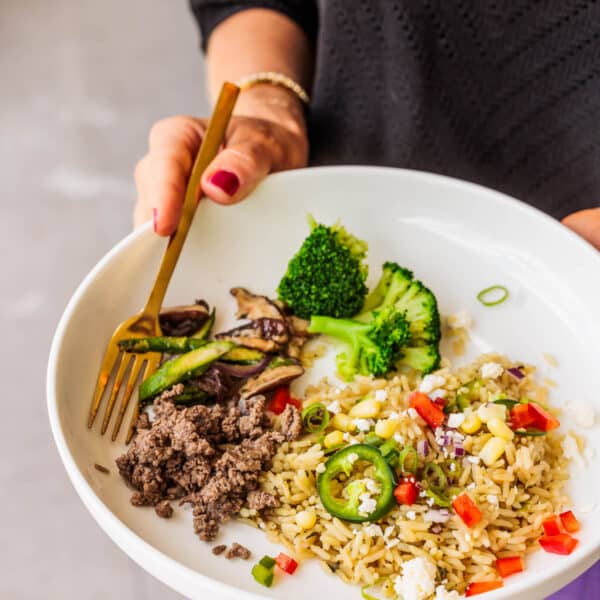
435,477
462,401
533,432
267,562
440,499
392,458
508,402
365,594
408,461
484,295
372,439
263,575
315,417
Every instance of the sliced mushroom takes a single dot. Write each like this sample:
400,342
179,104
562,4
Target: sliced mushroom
184,320
252,306
271,378
268,335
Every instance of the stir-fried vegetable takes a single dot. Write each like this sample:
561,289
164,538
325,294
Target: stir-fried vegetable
493,295
569,521
286,563
281,399
562,543
432,414
406,491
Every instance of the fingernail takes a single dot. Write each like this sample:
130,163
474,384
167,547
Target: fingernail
226,180
154,218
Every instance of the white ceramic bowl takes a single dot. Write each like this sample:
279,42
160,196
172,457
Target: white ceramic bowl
457,237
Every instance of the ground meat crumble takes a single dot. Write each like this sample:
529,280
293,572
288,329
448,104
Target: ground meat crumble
207,456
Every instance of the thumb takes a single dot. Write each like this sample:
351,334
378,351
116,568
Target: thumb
247,158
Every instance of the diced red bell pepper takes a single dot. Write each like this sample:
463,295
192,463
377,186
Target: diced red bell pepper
509,565
406,491
441,402
542,419
553,525
432,414
281,399
569,521
286,563
480,587
562,543
466,509
520,417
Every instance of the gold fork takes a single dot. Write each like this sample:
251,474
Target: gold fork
146,322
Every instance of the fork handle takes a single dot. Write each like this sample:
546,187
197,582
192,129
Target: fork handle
215,134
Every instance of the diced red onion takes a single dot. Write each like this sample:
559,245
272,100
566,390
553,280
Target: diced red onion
437,515
459,450
516,372
422,448
446,440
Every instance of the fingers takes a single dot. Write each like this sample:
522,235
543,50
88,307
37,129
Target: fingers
585,223
161,176
250,153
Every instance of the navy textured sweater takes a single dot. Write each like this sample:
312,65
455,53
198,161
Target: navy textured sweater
504,93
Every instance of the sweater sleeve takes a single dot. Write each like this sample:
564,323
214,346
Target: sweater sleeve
209,13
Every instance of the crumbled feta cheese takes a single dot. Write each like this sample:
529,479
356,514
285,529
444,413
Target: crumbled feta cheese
352,442
412,413
430,501
459,320
431,382
582,414
455,420
468,537
372,486
381,395
471,486
399,439
346,436
491,370
320,468
411,514
475,460
417,581
492,499
452,467
372,530
367,505
364,424
437,394
394,415
334,407
352,458
441,593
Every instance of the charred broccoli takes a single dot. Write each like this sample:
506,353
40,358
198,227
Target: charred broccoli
327,275
372,347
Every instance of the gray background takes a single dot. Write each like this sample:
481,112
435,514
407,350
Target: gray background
81,82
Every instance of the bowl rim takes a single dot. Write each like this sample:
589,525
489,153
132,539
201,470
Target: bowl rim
153,560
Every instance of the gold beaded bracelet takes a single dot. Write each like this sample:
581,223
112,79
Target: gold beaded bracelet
274,78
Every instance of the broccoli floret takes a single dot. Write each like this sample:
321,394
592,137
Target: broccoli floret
421,358
327,275
372,348
397,288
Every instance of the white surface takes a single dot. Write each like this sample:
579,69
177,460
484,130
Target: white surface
457,237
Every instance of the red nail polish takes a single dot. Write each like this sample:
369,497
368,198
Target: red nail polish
226,180
154,218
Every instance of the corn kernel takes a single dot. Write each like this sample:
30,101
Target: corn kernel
335,438
492,450
306,519
343,423
500,428
385,428
471,424
366,409
488,411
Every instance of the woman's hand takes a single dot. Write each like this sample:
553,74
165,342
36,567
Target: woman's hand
585,223
268,135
